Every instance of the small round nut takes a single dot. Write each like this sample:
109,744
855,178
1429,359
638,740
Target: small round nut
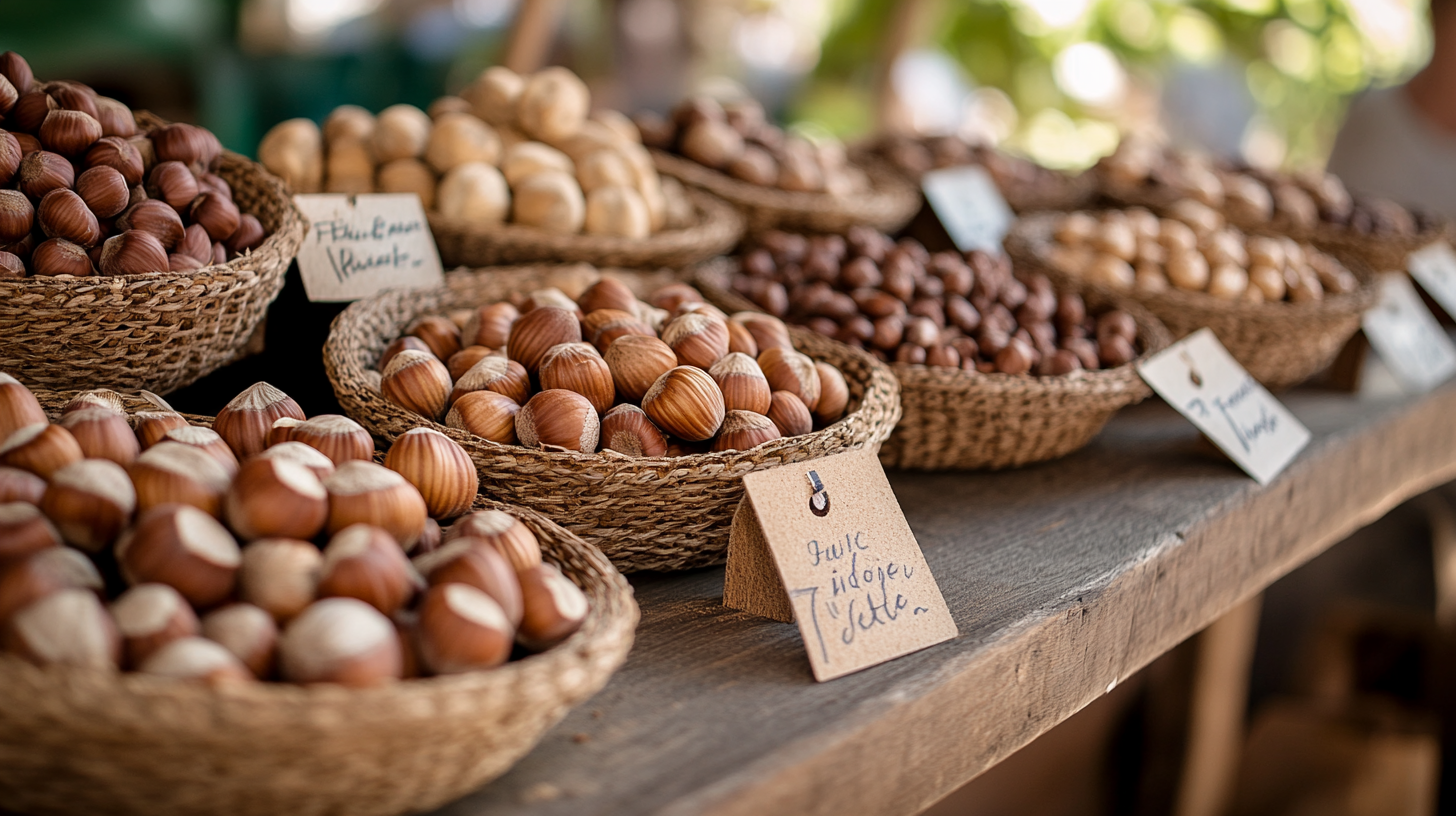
698,339
102,434
559,418
626,429
578,367
686,403
41,449
742,382
337,437
788,370
280,576
789,414
537,331
174,473
363,561
276,498
90,501
487,414
462,629
343,641
744,430
503,531
417,381
477,563
184,548
438,467
244,423
555,607
362,492
494,373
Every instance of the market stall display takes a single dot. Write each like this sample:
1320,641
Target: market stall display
428,662
133,252
516,168
698,401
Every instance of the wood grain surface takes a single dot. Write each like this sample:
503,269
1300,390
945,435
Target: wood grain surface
1064,578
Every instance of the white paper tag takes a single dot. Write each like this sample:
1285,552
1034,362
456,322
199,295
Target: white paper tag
969,206
360,245
1434,268
1407,337
1199,378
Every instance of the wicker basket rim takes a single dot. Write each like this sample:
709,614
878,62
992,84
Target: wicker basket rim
885,185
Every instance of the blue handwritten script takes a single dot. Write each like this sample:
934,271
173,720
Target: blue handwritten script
862,594
349,260
1249,419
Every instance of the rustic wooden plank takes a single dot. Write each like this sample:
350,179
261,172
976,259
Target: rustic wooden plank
1064,578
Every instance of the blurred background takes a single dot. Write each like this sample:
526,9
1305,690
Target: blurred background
1056,80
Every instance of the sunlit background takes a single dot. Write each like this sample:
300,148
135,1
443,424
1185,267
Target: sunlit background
1058,80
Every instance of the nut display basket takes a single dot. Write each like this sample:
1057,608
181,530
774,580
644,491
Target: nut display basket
715,228
158,331
960,420
1280,344
888,205
649,513
1044,190
76,741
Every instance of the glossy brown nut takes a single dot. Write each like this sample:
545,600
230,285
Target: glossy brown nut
365,493
337,437
43,171
417,381
217,214
487,414
744,430
14,68
275,498
171,182
185,548
558,418
686,403
149,616
578,367
245,422
30,110
10,155
494,373
607,293
438,467
477,563
104,190
156,219
555,607
399,344
69,132
41,449
535,332
62,214
627,429
490,326
364,562
438,333
789,414
249,235
58,256
17,216
118,154
116,118
189,144
103,434
11,266
18,485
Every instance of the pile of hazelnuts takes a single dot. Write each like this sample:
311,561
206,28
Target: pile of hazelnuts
607,372
907,305
82,192
916,155
267,547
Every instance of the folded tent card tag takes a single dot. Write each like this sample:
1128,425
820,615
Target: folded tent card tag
824,543
360,245
1203,382
969,206
1407,337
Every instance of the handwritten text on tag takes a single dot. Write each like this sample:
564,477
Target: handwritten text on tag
360,245
1198,377
1407,337
969,206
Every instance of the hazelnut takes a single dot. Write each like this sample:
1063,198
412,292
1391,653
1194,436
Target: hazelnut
1188,270
439,334
465,359
462,629
686,403
527,159
18,407
559,418
183,547
788,370
31,109
118,154
337,437
293,150
417,381
429,540
216,214
400,132
536,331
598,167
174,473
607,293
618,211
244,423
743,384
399,344
97,398
14,68
41,449
494,373
276,498
636,362
17,485
602,327
626,429
17,216
26,579
341,640
348,122
249,235
744,430
833,393
148,617
554,607
362,492
10,155
460,138
553,104
578,367
23,530
551,201
58,256
246,631
476,563
208,441
490,326
1110,271
68,627
189,144
280,576
348,167
789,414
493,96
768,331
173,184
363,561
152,426
740,339
69,132
196,658
673,295
713,144
299,454
438,467
698,339
1115,350
408,176
11,266
155,218
487,414
62,214
133,252
1228,281
1016,358
90,502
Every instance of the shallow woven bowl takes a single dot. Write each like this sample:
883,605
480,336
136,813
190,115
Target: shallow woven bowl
83,742
662,513
888,205
959,420
1280,344
159,331
715,229
1070,191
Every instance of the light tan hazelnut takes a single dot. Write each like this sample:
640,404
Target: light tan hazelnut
521,161
494,95
280,576
246,631
68,627
1228,282
1188,270
553,104
604,168
348,122
293,150
617,211
551,201
408,176
474,192
349,167
461,138
400,132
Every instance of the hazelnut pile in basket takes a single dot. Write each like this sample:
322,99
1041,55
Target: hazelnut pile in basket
917,155
669,377
523,149
267,547
82,192
1194,250
736,138
907,305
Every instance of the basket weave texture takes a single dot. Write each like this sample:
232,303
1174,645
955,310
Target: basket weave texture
664,513
715,229
158,331
889,204
960,420
83,742
1280,344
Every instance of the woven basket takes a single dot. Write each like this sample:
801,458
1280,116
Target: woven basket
1280,344
889,204
664,513
1060,191
959,420
80,742
159,331
715,229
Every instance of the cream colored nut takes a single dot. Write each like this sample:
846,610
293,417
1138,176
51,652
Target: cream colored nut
493,96
617,211
1176,236
1116,238
458,138
400,132
349,167
1188,270
1202,183
550,201
294,151
474,192
1202,218
1144,224
1264,251
408,176
1076,229
520,162
1226,246
1268,280
1228,282
1110,271
1149,278
605,168
553,105
348,122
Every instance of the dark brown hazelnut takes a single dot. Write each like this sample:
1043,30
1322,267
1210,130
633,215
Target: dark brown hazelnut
216,214
197,244
8,95
1012,294
155,218
1058,363
62,214
10,155
17,216
177,262
133,252
823,325
656,130
1115,350
1016,358
888,333
31,110
60,257
248,235
931,309
960,313
922,331
1086,352
755,166
1071,310
219,253
910,353
11,266
1116,322
757,263
172,182
944,356
14,68
991,340
856,330
874,303
118,154
73,96
104,190
860,273
193,146
69,132
966,348
116,118
43,171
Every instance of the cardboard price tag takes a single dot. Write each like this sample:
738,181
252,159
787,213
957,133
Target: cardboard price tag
969,206
1199,378
360,245
1407,337
824,543
1434,268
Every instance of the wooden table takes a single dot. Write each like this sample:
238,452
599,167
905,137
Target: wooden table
1063,578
